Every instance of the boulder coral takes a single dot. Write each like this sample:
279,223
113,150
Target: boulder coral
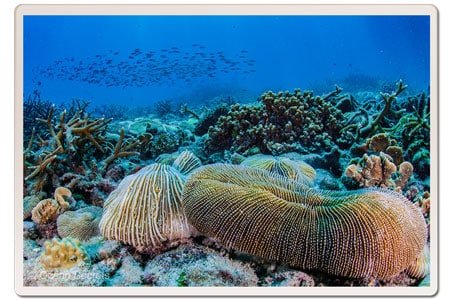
146,210
81,224
295,170
63,254
363,233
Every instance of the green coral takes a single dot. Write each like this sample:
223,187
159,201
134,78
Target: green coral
279,123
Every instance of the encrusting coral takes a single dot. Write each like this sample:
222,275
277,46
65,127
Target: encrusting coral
146,209
283,122
63,254
364,233
48,210
81,224
295,170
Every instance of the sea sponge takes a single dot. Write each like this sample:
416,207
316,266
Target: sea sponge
81,224
295,170
146,210
63,254
363,233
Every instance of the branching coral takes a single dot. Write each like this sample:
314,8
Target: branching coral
63,254
283,122
373,124
365,233
146,209
121,150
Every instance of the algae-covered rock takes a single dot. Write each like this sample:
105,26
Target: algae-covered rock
197,266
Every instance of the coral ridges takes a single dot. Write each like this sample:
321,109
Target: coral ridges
305,221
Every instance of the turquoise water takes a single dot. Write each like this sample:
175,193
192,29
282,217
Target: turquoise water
138,60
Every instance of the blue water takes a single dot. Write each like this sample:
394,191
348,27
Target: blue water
196,58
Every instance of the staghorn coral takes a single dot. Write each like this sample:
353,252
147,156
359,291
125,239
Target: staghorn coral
365,233
120,150
295,170
63,254
81,224
146,210
373,124
281,123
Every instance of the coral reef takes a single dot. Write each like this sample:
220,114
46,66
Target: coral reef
309,229
146,210
295,170
283,122
209,118
62,254
197,266
81,224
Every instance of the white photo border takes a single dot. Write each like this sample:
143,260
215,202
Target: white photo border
224,9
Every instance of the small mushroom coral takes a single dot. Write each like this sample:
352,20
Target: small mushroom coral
81,224
146,210
364,233
63,254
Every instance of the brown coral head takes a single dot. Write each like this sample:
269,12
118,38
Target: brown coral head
364,233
